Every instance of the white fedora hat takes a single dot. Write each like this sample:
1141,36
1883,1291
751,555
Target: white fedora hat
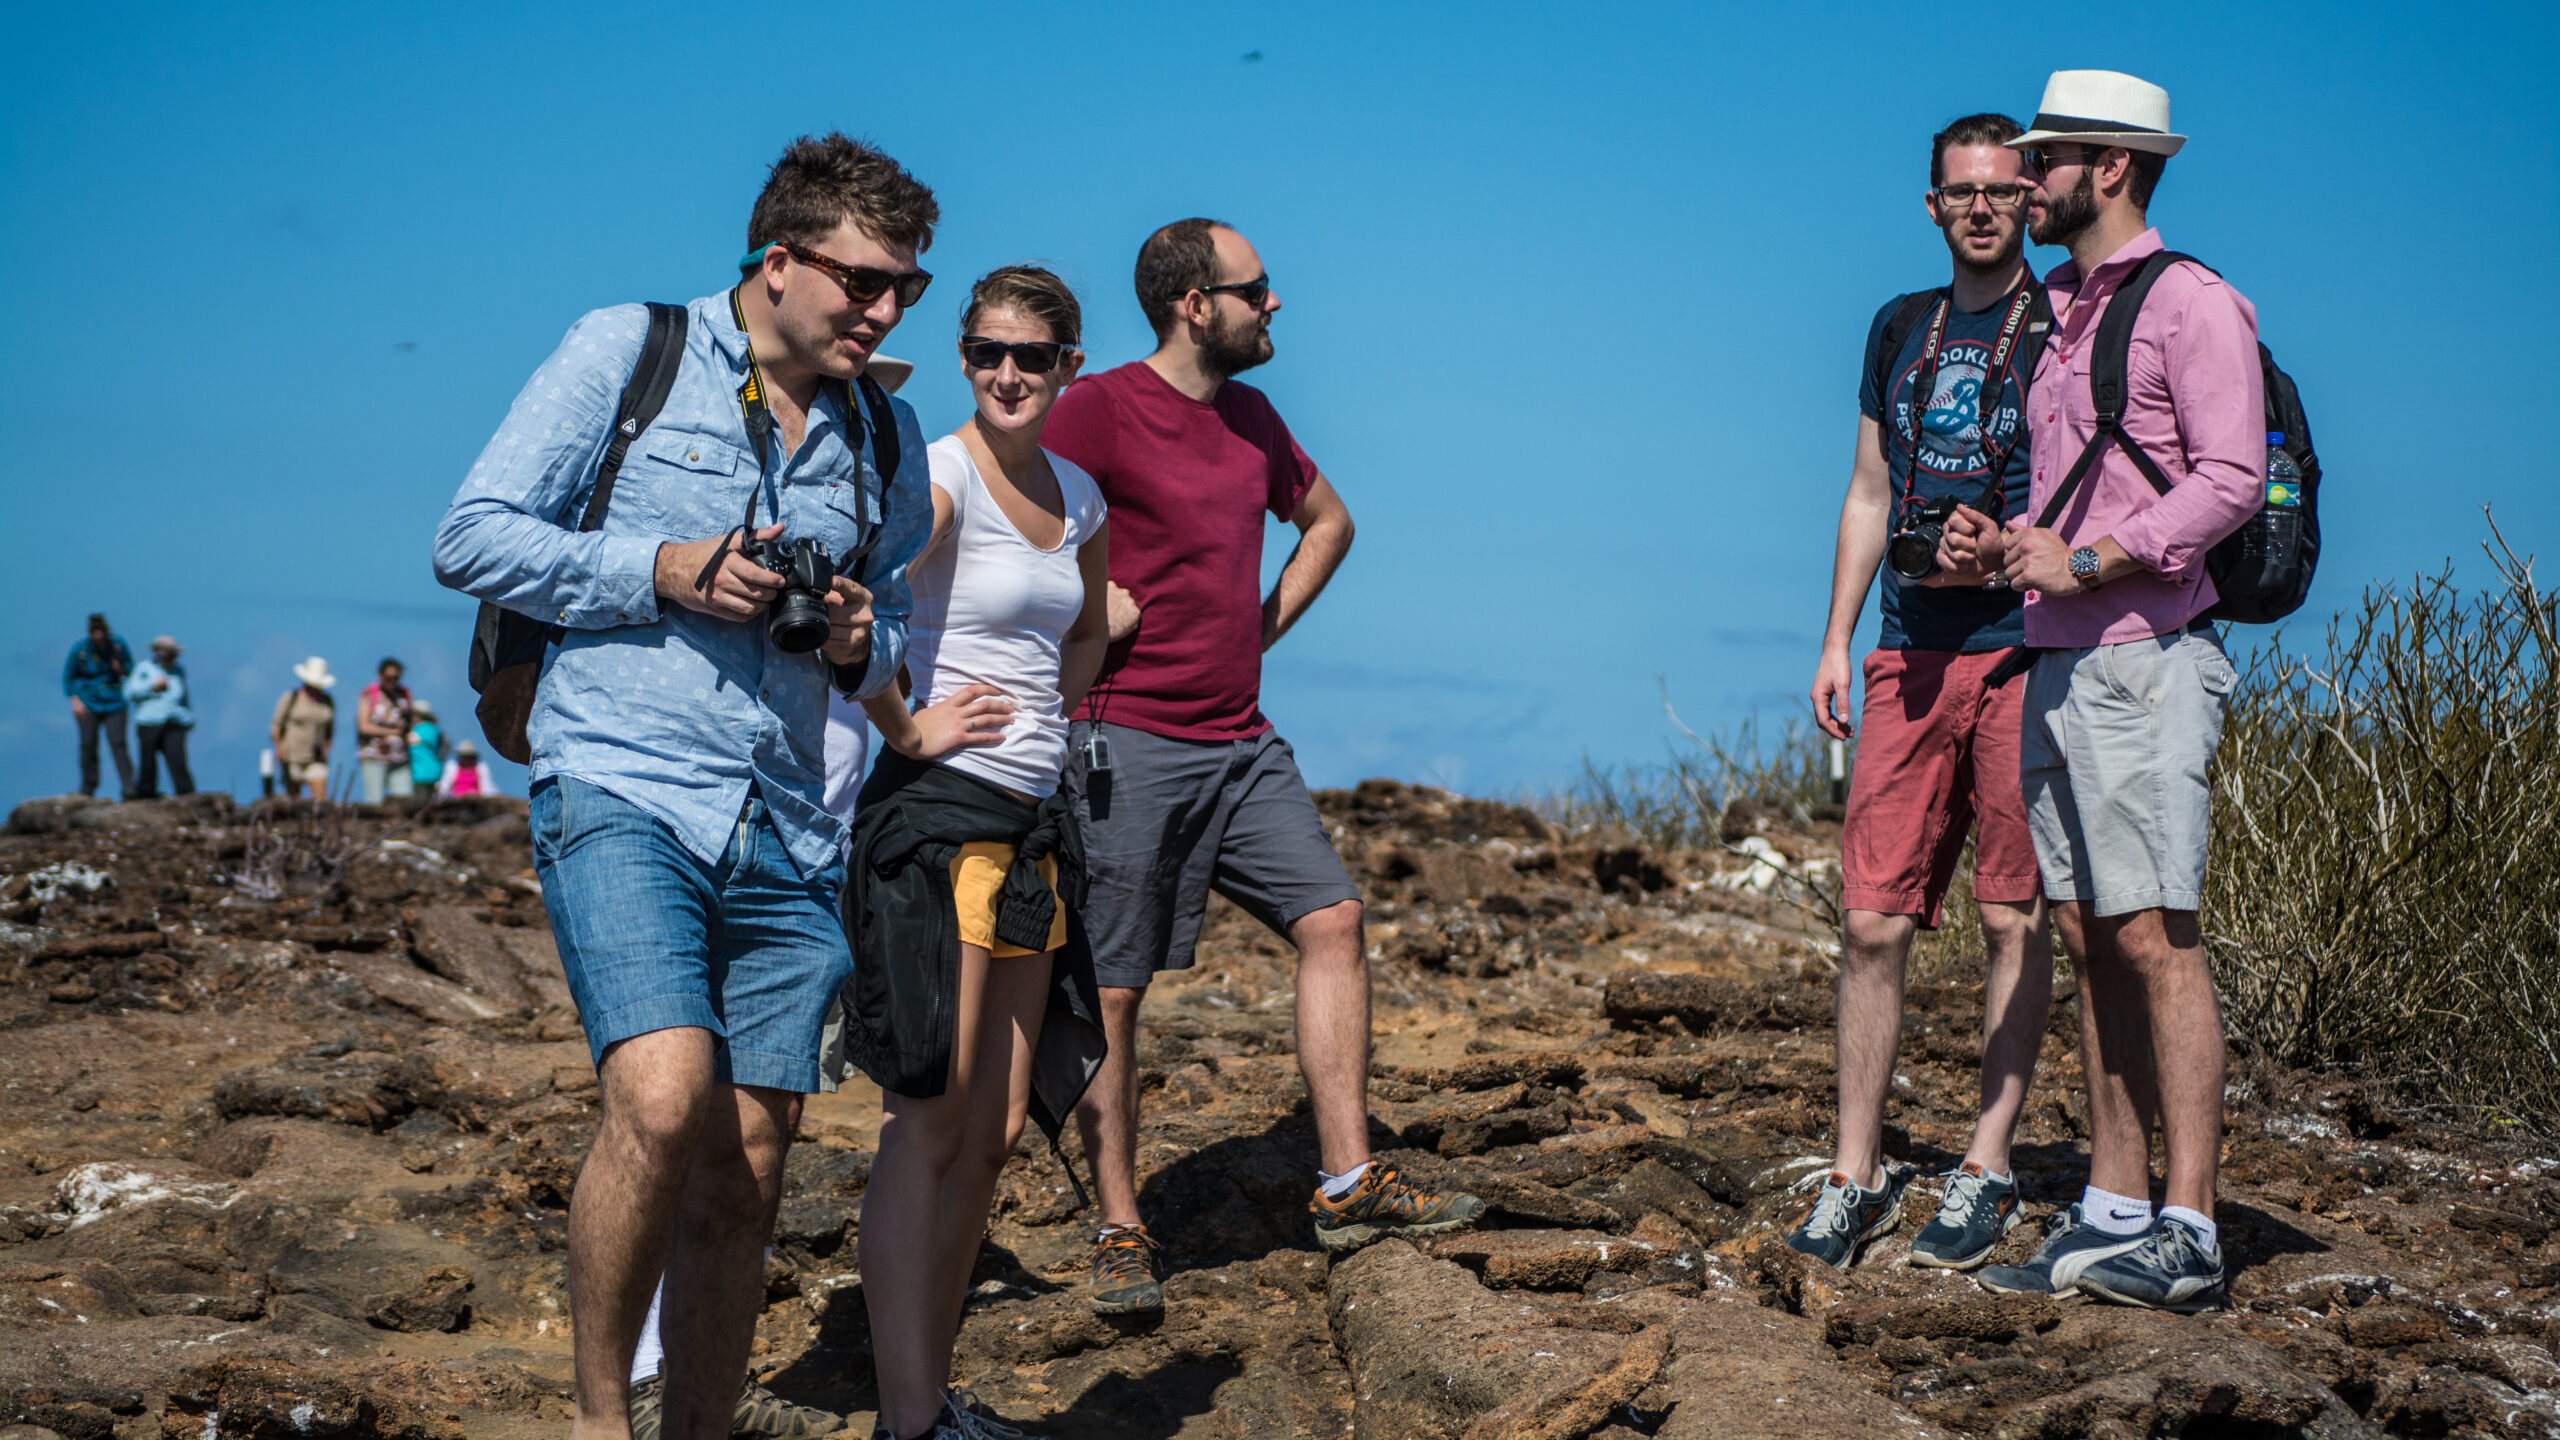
889,371
2102,107
315,672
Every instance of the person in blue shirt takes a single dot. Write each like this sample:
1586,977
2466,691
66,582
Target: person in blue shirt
427,748
678,770
158,691
93,676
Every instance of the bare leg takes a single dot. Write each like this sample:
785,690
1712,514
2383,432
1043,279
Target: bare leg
2115,1055
2161,954
715,1275
2017,998
929,1161
1867,1030
1333,1031
1107,1116
654,1093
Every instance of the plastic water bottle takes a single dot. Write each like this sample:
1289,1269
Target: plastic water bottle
2284,478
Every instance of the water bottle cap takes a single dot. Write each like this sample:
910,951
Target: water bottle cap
2275,437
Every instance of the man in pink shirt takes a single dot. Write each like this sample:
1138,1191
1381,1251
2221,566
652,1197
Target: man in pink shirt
2125,704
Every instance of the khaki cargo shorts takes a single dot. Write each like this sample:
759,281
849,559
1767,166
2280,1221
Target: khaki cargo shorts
2113,766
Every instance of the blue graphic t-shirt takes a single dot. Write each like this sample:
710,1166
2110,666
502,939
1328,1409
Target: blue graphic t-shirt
1950,461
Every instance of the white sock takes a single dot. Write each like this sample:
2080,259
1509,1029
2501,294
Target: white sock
2195,1220
2114,1214
650,1355
1337,1186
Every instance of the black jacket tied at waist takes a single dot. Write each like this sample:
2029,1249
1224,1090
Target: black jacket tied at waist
898,1012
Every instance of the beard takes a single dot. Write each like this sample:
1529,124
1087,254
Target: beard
2001,259
2066,217
1227,351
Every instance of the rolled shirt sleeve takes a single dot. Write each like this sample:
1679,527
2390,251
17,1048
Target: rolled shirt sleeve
2209,349
508,537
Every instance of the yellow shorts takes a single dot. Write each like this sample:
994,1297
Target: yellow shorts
977,873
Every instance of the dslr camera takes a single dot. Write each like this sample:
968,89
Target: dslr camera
1913,552
797,621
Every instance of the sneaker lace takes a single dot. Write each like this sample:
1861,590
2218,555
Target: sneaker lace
1393,1193
1117,1251
971,1419
1963,1190
1830,1211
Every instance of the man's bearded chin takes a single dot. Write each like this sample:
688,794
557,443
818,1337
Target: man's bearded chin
2065,218
1229,350
2001,259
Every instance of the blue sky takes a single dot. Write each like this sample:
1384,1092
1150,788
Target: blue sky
1575,299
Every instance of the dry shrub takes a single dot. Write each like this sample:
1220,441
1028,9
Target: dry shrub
2385,886
1689,802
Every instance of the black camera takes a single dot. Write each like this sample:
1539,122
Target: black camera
797,623
1913,553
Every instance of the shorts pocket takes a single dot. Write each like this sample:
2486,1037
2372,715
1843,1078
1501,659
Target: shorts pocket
2215,670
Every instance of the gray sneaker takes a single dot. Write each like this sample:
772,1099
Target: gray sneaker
2171,1269
760,1412
2071,1245
977,1419
1846,1216
1974,1211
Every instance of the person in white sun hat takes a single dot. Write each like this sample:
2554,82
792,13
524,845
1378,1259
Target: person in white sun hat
306,721
2124,705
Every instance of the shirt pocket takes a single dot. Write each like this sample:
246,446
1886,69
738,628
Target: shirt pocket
840,515
2077,403
681,484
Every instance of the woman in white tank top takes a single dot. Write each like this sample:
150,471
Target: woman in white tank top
1007,633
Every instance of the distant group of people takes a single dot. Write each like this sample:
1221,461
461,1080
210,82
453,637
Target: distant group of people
402,748
108,690
1052,618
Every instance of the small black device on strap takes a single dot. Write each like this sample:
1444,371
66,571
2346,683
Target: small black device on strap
507,646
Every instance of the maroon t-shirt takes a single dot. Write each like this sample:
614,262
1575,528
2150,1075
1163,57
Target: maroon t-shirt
1188,484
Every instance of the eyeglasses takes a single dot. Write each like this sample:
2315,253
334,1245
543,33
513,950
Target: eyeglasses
863,283
1960,197
1031,357
1254,292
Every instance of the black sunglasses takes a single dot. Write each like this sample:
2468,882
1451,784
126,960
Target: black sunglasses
1252,292
1031,357
2043,157
862,283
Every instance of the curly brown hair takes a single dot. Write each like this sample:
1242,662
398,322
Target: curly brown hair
822,181
1035,292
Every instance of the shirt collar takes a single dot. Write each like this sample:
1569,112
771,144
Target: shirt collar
2127,255
730,343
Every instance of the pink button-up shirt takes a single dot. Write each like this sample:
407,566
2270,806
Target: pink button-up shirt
2195,403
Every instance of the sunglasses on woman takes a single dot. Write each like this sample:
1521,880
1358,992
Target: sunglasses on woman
862,283
1031,357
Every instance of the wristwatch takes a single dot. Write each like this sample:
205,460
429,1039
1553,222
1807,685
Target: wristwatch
2084,566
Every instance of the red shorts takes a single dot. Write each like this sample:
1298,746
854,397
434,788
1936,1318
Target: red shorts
1937,753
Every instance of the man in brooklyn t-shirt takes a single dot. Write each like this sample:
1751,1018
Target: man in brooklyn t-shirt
1937,746
1179,783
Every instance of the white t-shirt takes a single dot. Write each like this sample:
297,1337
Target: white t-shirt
992,608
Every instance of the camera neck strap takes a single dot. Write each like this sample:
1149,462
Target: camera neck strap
1924,388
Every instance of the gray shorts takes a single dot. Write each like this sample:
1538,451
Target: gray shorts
1172,820
2113,765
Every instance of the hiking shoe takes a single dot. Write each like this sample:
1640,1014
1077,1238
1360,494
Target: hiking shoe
1382,1204
1124,1272
2070,1246
647,1407
1846,1216
1974,1211
942,1429
977,1419
761,1412
2169,1268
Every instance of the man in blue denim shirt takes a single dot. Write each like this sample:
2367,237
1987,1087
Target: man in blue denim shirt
687,861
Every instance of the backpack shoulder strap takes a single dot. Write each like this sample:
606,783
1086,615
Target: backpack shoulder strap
1908,312
884,428
643,396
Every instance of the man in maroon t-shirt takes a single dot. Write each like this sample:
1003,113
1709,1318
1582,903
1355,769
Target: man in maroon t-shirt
1179,783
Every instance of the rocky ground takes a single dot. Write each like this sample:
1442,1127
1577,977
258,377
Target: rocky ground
291,1105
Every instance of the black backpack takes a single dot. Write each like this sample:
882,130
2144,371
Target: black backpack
2261,571
507,647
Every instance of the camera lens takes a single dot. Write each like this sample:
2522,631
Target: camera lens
1914,553
798,624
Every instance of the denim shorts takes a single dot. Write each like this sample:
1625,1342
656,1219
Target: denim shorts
651,938
2114,761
